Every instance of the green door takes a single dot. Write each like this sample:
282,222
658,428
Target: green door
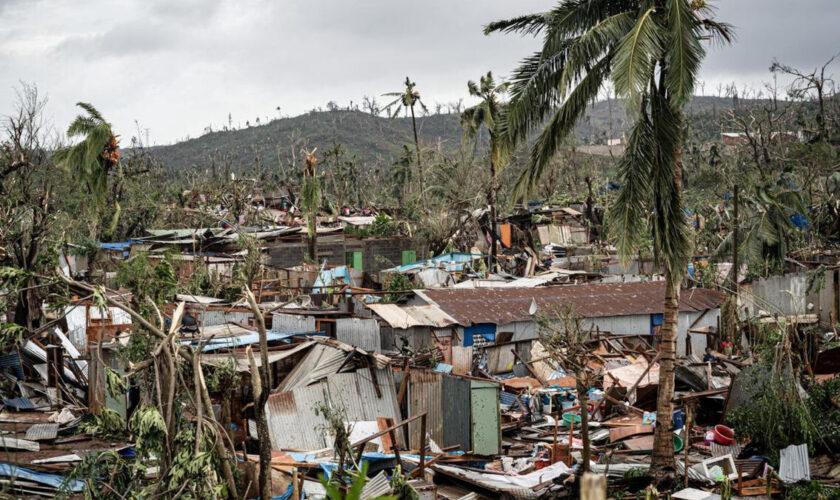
353,260
486,424
409,257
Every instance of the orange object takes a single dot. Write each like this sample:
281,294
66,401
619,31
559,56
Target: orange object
504,235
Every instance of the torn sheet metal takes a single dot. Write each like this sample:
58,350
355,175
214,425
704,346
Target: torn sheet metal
793,464
42,432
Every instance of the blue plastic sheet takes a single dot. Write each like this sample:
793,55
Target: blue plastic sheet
51,480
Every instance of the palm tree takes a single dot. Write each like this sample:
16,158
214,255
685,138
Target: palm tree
408,98
310,200
488,114
94,156
651,51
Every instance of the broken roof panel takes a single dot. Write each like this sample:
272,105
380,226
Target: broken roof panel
403,317
507,305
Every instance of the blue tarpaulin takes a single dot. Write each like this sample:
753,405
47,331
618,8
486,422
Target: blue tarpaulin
52,480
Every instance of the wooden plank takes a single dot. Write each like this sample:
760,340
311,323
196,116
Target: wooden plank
619,433
644,443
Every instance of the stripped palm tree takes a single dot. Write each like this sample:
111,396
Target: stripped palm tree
310,200
488,113
651,52
94,157
407,99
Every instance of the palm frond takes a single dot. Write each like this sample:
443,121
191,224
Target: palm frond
629,213
670,231
531,24
683,52
634,58
560,125
92,111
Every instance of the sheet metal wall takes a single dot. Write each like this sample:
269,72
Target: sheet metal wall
500,359
292,420
293,323
415,337
362,333
425,392
456,413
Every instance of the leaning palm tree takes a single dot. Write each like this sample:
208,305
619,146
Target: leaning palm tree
407,99
651,51
488,114
95,156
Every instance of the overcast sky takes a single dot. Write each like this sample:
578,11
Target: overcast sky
176,66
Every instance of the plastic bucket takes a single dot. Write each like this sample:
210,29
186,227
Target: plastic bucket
569,417
678,444
724,435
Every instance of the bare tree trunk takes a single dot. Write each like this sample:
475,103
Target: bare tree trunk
261,383
662,463
583,401
417,145
491,198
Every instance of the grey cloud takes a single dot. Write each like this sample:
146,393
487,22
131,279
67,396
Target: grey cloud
183,64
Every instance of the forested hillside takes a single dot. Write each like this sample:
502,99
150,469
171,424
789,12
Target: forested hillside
379,140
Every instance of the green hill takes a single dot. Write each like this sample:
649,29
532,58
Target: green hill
376,139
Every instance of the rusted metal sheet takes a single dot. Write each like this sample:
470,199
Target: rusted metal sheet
362,333
42,432
292,420
425,394
456,413
502,306
462,360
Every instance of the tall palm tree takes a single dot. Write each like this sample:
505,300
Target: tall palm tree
407,99
94,156
488,114
651,51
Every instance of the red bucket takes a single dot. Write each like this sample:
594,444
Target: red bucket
724,435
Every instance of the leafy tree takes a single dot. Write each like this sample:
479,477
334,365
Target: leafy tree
651,51
488,114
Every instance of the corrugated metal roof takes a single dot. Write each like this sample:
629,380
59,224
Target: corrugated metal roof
241,359
376,487
404,317
319,362
501,306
